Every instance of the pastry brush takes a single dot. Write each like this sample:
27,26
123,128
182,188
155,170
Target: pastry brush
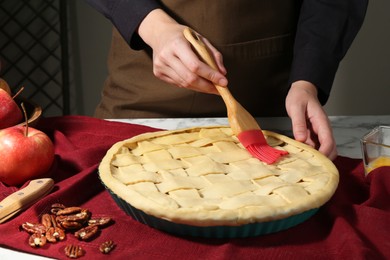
242,123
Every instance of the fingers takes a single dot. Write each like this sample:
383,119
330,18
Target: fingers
217,57
330,151
320,135
201,69
327,143
309,121
297,112
176,72
177,63
317,133
299,125
174,61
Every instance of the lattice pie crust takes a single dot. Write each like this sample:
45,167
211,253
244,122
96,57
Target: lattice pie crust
204,177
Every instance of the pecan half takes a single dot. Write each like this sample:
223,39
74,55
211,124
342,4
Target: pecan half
60,219
74,251
46,220
55,234
106,247
56,207
37,240
87,232
81,217
69,210
71,225
102,221
33,228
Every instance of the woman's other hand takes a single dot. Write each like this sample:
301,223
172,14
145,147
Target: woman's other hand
310,123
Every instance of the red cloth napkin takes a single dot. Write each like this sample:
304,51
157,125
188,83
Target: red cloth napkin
354,224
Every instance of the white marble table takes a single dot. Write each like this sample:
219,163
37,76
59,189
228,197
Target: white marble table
347,129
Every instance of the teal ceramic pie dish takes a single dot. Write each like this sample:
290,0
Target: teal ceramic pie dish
243,231
202,182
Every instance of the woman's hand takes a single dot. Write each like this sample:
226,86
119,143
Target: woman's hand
309,121
174,61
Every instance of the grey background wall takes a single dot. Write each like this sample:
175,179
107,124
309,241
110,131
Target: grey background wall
361,87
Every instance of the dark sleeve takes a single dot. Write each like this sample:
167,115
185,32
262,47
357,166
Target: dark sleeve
126,15
325,32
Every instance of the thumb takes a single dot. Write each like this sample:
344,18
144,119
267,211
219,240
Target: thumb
299,125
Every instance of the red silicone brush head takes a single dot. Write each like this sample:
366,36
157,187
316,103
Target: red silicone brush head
255,142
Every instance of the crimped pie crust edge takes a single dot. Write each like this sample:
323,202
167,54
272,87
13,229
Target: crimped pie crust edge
219,217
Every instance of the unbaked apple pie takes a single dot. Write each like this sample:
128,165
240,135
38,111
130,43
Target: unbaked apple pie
204,178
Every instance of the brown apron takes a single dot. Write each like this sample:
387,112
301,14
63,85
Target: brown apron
255,38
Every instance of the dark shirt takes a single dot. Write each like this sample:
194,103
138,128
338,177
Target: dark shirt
325,32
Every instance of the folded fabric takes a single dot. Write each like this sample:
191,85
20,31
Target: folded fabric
354,224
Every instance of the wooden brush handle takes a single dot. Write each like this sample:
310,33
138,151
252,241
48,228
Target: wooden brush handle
203,52
240,120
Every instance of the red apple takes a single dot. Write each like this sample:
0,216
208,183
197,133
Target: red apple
10,113
25,153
